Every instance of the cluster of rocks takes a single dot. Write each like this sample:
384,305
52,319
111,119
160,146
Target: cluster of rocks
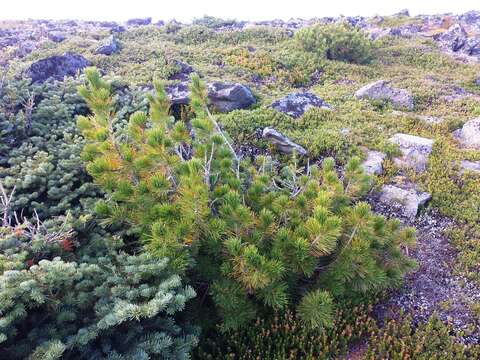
456,39
223,96
414,153
402,194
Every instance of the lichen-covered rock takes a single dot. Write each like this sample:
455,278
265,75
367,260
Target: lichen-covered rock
406,197
109,46
226,97
178,93
473,166
415,151
381,90
183,72
373,163
282,143
469,135
472,46
454,38
57,36
296,104
56,67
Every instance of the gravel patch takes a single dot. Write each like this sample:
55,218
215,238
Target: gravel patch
433,287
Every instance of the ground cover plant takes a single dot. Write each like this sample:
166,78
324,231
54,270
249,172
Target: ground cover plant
137,224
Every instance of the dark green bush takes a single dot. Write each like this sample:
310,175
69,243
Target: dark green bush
336,42
194,35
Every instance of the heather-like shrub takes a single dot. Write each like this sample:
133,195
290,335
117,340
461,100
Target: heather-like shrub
336,42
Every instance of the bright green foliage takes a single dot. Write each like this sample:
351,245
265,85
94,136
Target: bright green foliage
336,42
114,305
255,230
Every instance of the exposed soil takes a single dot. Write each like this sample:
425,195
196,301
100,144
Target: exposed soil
433,287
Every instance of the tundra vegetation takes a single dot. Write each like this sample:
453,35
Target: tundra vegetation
143,218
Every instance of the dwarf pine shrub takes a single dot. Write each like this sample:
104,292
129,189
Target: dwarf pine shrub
257,230
336,42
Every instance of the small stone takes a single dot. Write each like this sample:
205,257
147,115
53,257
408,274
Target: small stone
406,197
469,135
109,46
415,151
430,120
282,143
373,164
296,104
226,97
380,90
473,166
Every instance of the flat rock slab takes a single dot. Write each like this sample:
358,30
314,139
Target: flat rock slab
415,151
406,197
373,163
282,143
296,104
381,90
469,135
430,120
473,166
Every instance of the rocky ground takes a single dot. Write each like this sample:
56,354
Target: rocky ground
434,288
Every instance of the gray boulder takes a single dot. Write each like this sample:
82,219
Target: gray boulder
296,104
139,22
469,135
109,46
473,166
56,36
405,197
477,81
56,67
226,97
373,163
380,90
454,38
472,46
183,72
471,18
282,143
178,93
415,151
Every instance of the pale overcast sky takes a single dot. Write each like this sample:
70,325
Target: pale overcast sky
186,10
